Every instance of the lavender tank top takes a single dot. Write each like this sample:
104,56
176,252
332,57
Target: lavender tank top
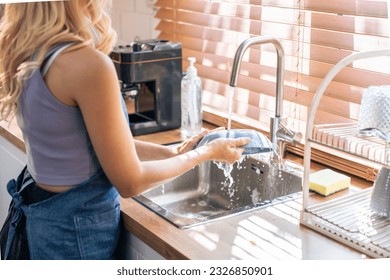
58,148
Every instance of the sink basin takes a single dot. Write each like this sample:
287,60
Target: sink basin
205,193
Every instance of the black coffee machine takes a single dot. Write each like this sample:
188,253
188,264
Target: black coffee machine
150,71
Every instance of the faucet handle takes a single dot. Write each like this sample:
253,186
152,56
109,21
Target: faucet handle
286,134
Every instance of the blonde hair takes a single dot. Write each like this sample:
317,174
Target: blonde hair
29,30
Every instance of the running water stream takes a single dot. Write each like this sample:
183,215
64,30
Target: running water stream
230,108
225,167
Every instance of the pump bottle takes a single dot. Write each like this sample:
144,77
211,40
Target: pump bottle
191,101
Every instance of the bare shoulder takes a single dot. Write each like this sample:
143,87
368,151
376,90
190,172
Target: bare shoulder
77,72
84,62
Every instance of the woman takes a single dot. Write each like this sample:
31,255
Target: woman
56,76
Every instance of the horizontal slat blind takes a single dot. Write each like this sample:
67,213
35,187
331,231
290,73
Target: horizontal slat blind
315,35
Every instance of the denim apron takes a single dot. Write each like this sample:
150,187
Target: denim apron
82,223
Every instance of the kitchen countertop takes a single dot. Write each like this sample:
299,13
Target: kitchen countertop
270,233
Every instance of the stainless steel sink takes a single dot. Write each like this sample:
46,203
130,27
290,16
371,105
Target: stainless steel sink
204,193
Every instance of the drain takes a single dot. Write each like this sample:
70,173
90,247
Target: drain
257,169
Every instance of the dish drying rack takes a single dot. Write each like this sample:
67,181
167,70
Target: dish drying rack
348,219
345,137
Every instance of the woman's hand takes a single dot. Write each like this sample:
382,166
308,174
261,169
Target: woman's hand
223,149
190,143
227,150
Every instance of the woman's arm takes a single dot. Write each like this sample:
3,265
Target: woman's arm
149,151
87,78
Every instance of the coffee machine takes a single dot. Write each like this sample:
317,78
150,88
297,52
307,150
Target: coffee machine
150,73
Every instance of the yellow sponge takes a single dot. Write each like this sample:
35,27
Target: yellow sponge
327,181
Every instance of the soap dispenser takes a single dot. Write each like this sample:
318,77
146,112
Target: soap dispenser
191,101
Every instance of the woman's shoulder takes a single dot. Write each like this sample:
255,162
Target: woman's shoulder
83,69
81,66
85,58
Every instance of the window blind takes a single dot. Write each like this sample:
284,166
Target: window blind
315,35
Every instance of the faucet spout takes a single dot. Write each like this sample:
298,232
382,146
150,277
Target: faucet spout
279,76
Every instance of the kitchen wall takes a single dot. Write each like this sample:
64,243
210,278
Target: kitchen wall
134,19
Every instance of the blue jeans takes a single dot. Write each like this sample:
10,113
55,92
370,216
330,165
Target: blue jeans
82,223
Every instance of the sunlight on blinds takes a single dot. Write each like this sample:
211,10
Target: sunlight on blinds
315,35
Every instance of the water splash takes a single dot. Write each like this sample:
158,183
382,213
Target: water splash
274,175
227,171
255,196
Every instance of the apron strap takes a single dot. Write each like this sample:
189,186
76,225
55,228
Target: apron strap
14,188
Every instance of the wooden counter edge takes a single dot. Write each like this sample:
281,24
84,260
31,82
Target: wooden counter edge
11,132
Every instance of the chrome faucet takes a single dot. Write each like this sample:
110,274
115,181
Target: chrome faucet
279,133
